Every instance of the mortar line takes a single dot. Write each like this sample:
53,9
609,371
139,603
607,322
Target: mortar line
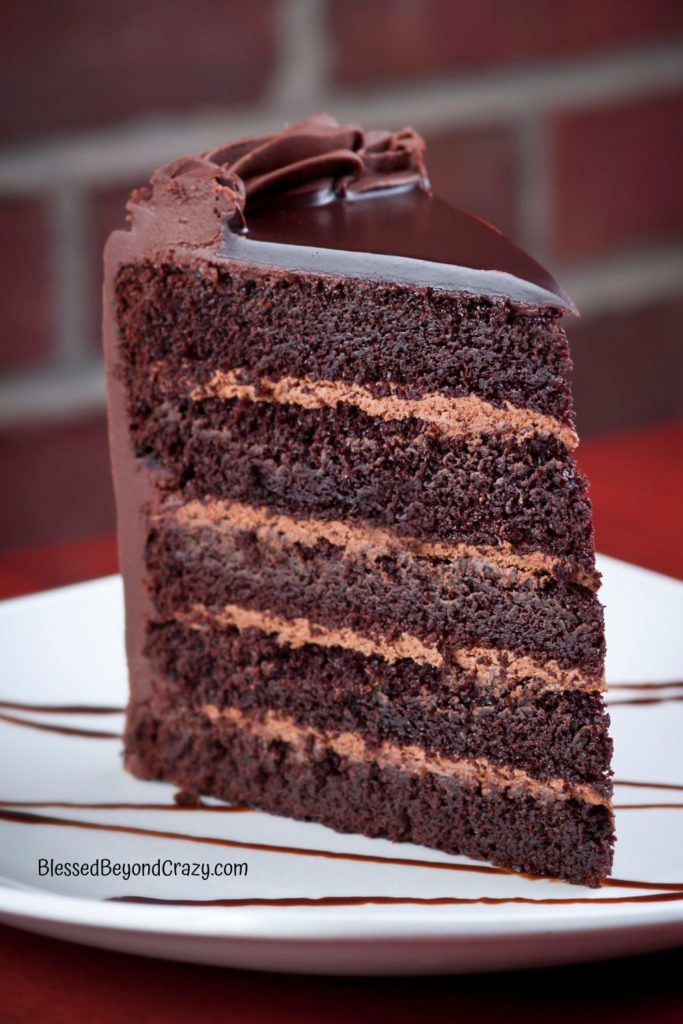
117,154
302,72
70,274
534,190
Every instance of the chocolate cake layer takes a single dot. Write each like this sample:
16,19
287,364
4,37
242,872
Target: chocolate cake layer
449,605
237,759
339,462
372,542
380,336
446,711
463,416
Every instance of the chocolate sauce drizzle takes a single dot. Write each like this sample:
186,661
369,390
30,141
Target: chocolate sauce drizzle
16,812
27,818
63,709
671,698
675,684
647,807
658,693
649,785
106,806
64,730
60,709
433,901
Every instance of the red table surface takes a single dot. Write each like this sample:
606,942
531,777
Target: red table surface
637,491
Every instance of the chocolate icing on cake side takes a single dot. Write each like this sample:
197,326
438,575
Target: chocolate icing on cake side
332,199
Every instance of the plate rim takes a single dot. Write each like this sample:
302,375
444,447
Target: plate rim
330,923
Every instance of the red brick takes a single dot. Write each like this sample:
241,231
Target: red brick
628,367
76,63
375,40
25,286
477,170
57,482
616,175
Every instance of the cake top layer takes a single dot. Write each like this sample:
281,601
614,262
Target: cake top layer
329,198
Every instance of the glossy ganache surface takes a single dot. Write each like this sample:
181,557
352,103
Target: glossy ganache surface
398,234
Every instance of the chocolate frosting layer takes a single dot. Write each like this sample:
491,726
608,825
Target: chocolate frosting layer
321,197
315,158
318,154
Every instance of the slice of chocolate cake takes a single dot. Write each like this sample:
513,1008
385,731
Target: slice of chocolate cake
357,551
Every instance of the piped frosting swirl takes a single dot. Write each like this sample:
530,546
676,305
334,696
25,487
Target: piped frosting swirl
315,155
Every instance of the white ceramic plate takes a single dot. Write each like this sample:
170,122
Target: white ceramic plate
65,647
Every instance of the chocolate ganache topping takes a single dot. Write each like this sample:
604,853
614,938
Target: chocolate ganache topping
334,199
320,155
315,157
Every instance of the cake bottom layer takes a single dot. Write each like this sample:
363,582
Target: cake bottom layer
510,827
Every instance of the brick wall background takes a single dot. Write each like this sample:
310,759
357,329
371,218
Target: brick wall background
561,123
